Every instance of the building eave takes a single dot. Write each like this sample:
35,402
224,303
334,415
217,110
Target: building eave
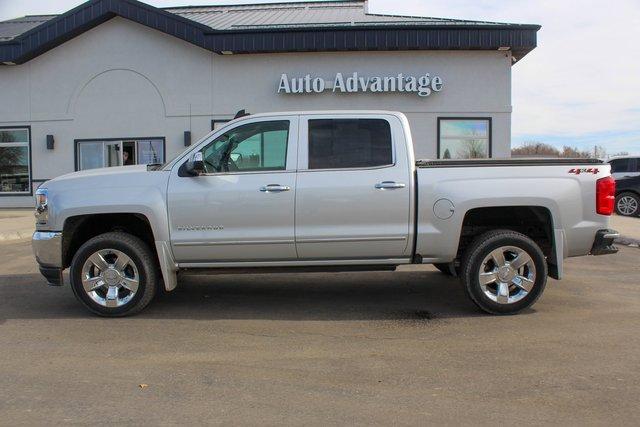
520,39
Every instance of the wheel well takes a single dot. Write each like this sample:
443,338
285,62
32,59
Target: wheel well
534,222
78,229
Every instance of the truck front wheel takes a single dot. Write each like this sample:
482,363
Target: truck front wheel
114,274
503,272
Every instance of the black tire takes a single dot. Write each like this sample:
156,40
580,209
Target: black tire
448,269
140,255
473,259
628,196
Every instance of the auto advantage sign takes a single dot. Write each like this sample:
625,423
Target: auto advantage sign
422,85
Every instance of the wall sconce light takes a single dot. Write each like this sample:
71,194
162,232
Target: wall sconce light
50,142
187,138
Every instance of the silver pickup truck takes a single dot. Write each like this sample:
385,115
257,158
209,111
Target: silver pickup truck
320,191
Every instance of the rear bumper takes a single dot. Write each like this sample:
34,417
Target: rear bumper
47,248
603,243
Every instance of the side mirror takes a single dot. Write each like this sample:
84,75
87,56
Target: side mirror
195,166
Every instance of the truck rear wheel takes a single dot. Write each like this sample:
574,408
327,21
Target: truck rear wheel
503,272
114,274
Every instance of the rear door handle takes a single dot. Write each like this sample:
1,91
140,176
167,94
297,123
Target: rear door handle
274,188
389,185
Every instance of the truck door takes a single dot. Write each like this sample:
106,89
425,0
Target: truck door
242,208
353,195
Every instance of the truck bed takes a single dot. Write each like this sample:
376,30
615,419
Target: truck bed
564,190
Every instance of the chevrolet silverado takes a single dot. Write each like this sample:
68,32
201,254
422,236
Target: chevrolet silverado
320,191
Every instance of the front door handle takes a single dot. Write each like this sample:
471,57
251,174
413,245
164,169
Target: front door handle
389,185
274,188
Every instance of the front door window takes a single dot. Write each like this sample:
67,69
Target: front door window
260,146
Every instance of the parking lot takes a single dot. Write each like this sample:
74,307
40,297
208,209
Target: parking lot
401,347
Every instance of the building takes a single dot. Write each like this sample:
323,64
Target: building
119,81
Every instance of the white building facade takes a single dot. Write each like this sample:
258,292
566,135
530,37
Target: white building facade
116,82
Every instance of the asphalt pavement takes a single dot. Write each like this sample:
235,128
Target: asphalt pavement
382,348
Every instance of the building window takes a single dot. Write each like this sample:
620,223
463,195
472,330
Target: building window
464,138
349,143
252,147
15,161
98,153
218,123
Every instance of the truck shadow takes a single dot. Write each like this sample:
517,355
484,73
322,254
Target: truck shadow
409,296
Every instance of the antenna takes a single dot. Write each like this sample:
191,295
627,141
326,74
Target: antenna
241,113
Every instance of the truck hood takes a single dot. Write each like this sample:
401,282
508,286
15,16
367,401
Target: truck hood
112,178
117,170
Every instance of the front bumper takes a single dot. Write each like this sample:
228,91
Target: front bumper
47,248
603,243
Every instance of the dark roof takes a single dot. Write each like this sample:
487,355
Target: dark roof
262,28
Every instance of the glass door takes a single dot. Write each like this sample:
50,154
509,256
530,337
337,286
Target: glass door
90,155
99,154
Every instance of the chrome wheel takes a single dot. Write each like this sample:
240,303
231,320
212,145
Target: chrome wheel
110,278
627,205
507,275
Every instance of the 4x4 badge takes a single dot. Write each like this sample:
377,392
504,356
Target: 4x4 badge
578,171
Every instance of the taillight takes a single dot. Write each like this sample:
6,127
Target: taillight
605,195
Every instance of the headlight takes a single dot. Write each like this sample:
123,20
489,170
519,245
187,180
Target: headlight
42,206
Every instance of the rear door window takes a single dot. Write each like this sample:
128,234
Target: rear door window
349,143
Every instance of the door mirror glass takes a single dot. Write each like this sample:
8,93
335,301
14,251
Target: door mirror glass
195,166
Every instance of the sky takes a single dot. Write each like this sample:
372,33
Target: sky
580,87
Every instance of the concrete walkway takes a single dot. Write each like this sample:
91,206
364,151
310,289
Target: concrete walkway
16,224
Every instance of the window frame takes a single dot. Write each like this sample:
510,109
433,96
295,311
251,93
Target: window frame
303,156
77,142
490,130
29,162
